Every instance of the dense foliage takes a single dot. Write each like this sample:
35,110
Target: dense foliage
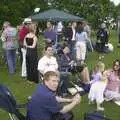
92,10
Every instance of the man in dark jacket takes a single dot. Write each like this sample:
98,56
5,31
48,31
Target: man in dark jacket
65,63
102,37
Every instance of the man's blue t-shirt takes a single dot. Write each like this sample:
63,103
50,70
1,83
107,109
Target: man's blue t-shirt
43,104
50,35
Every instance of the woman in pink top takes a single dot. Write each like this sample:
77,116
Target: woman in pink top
112,91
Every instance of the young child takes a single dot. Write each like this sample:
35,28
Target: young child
98,85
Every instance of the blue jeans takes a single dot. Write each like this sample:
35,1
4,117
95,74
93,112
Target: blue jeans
11,60
71,45
64,82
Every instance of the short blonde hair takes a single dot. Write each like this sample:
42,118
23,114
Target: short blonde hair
100,66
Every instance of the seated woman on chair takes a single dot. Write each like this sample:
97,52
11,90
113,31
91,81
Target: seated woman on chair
65,61
68,66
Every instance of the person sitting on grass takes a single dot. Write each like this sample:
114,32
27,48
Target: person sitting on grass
44,103
68,67
66,59
65,62
48,62
112,91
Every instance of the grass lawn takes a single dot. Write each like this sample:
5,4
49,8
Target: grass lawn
22,90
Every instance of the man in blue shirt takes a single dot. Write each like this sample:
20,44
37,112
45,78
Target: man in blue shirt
44,103
50,34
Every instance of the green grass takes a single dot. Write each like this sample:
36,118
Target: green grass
22,90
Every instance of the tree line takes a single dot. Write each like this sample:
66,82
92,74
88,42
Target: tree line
94,11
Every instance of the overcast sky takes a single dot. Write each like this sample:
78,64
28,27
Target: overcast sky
116,1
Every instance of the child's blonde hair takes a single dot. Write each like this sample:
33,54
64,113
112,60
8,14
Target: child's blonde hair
100,66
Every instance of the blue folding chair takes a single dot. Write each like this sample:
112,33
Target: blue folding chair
8,103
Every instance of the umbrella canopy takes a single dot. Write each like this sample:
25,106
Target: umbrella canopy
118,17
55,15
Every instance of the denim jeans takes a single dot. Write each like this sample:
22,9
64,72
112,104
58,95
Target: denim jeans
11,60
71,45
64,82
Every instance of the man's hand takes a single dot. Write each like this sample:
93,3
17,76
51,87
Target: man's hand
60,99
76,100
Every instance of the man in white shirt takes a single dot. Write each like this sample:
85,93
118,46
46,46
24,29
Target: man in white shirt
48,62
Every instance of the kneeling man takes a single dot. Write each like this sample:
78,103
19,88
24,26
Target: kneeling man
45,103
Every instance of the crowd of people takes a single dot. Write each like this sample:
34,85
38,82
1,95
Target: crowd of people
55,68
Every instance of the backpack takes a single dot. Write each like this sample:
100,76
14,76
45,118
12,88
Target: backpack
96,115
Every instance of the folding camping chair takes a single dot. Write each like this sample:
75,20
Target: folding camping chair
8,103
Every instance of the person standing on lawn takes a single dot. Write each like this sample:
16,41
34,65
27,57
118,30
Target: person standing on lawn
30,43
9,37
98,85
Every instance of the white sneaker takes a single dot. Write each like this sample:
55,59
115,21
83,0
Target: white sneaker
29,97
100,109
72,91
107,99
79,89
117,102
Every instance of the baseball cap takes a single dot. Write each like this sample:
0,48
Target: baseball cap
27,20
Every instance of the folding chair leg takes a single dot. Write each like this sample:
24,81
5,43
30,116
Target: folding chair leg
12,117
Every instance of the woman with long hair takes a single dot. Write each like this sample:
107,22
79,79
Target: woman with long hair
30,42
112,91
81,40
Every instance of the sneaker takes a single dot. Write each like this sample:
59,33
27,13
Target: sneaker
78,88
100,109
117,102
107,99
29,98
72,91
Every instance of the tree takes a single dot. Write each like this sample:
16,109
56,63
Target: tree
94,11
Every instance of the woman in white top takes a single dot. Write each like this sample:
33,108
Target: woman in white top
48,62
81,38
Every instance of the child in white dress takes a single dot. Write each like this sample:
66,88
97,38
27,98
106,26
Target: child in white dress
98,85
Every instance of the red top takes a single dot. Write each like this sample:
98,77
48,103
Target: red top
23,32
